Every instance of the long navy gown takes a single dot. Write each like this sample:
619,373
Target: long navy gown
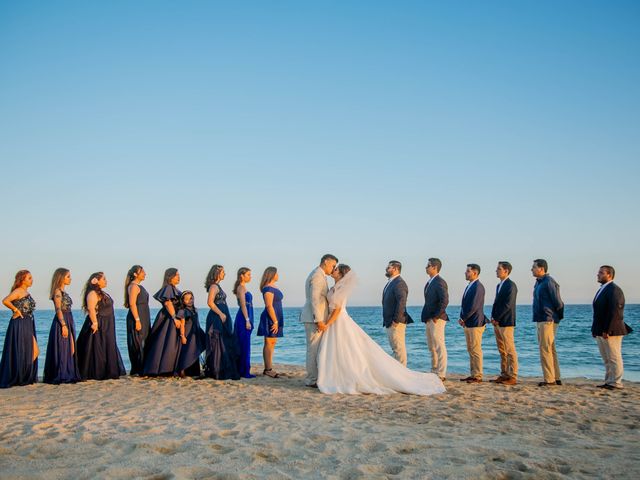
222,350
17,366
61,363
243,337
163,344
98,354
189,357
136,340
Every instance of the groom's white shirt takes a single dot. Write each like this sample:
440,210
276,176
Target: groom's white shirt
316,306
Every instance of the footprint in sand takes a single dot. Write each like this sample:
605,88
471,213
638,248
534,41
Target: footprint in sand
220,449
268,457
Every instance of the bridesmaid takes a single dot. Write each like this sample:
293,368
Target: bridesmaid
195,341
163,344
222,350
19,364
271,319
243,325
98,354
136,299
61,363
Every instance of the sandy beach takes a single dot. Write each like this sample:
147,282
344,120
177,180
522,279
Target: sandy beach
266,428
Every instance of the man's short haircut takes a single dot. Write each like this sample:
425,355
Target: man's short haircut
506,265
610,270
436,263
328,256
541,263
475,267
396,264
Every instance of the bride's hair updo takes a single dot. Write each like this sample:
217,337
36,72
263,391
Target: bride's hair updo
343,269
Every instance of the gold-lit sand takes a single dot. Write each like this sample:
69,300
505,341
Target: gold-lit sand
266,428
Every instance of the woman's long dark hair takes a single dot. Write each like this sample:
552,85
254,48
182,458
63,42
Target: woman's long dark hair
241,272
57,280
212,276
131,274
267,276
91,287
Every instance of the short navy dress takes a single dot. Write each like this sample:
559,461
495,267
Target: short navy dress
264,329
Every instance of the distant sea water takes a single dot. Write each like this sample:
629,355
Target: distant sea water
577,350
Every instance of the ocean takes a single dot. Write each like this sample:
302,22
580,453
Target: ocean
577,350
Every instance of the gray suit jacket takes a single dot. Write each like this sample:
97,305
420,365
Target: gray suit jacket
316,306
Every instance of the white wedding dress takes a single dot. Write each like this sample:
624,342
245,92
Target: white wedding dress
349,361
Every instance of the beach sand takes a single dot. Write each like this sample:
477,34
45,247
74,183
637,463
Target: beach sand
278,428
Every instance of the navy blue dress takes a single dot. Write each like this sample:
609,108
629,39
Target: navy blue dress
17,366
98,354
163,344
264,328
189,357
222,350
243,337
61,362
136,340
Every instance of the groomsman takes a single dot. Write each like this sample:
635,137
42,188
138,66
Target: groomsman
434,315
473,319
548,310
394,310
608,326
503,317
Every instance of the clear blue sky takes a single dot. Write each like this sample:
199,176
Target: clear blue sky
268,133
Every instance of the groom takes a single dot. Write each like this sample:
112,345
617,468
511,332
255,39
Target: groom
315,312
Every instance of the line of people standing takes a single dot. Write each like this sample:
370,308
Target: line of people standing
171,346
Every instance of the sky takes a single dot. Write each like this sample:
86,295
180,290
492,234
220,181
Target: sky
184,134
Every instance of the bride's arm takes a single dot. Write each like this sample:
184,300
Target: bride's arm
334,315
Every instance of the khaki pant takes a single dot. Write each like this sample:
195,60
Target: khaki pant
611,352
396,336
548,355
313,344
473,335
437,347
507,350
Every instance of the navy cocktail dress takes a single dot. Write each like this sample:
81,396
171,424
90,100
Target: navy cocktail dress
189,357
136,340
61,362
222,349
163,344
243,337
98,354
264,328
17,366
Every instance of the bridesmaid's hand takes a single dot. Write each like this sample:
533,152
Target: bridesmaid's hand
274,328
176,322
223,317
94,327
17,314
138,325
65,332
248,325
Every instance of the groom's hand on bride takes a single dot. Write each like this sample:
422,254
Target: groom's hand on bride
321,326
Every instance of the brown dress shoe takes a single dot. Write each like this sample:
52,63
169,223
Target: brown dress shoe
466,379
474,380
500,379
509,381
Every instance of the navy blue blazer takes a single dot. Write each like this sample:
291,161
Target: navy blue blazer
394,303
547,304
608,313
504,306
471,310
436,300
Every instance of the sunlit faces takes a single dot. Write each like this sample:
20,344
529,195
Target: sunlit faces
432,270
221,275
140,275
336,275
175,280
604,276
246,276
102,282
67,279
470,274
328,266
276,277
537,271
27,281
188,299
390,271
501,272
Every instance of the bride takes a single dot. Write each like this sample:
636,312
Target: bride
349,361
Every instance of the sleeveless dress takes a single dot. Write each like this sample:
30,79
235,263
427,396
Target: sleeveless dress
98,354
349,361
61,362
243,337
163,344
189,357
17,366
264,328
136,340
222,350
